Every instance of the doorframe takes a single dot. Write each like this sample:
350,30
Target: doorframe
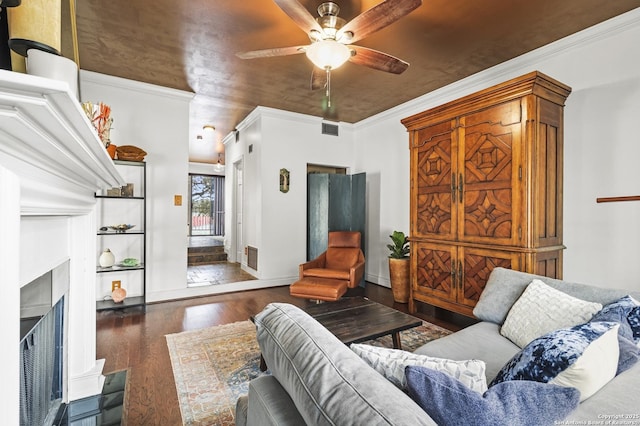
236,242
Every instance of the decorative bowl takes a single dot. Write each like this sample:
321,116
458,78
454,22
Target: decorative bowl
130,262
130,153
121,228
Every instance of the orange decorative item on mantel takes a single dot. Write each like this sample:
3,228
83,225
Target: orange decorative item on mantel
111,149
130,153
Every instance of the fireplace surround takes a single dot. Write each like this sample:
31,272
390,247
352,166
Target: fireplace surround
43,332
51,164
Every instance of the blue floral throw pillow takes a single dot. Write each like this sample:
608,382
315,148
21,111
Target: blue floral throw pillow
584,356
622,312
619,311
450,403
634,322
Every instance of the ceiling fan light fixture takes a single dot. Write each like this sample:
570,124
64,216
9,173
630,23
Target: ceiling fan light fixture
315,36
344,37
328,54
328,8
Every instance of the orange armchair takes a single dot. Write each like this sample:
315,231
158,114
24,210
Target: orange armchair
328,276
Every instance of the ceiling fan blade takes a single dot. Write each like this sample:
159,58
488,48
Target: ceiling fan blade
299,14
378,17
268,53
318,78
377,60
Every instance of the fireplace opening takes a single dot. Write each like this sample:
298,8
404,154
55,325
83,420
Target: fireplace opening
42,338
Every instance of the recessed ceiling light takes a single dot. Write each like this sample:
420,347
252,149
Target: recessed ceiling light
209,128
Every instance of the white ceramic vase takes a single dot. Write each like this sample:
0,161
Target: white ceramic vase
45,64
107,259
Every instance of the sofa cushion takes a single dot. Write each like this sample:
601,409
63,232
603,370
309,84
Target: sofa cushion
449,402
541,309
584,357
391,363
505,286
327,382
478,341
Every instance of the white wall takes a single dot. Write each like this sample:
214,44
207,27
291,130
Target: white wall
276,222
602,241
602,66
155,119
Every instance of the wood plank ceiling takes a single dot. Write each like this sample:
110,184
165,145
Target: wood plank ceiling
191,45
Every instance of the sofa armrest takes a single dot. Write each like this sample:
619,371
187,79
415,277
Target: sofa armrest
328,383
268,404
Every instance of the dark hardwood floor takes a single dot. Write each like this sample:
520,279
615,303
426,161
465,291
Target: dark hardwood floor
135,341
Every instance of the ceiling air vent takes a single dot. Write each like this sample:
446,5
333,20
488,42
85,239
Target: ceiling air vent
329,129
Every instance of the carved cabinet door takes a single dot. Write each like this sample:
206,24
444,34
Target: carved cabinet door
434,270
433,158
491,188
476,264
456,275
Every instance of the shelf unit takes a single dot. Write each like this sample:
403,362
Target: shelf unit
120,209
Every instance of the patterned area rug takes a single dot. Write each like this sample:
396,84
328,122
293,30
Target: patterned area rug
213,366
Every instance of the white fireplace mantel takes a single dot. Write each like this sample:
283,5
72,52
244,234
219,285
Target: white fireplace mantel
51,164
47,140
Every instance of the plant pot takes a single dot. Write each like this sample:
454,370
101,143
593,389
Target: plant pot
399,276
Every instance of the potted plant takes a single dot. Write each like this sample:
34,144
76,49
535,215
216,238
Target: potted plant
399,266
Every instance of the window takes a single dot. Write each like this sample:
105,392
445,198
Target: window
207,205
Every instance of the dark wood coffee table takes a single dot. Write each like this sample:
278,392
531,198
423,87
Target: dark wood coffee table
357,319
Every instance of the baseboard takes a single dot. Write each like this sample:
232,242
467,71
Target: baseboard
163,296
88,383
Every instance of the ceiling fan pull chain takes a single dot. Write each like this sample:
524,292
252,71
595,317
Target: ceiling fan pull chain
328,93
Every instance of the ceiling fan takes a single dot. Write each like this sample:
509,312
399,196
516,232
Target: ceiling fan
331,38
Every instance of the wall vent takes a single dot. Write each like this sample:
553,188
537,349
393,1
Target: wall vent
252,258
329,129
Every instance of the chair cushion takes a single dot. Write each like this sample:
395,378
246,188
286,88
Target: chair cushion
318,288
342,258
335,274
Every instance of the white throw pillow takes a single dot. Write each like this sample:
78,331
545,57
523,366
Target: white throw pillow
392,362
542,309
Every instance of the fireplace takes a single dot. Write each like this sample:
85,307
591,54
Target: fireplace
42,346
51,165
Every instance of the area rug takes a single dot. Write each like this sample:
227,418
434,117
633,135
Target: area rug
213,366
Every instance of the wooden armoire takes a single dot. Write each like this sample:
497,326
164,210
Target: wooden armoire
486,189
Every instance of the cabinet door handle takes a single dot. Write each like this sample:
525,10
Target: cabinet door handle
460,274
454,283
461,188
453,187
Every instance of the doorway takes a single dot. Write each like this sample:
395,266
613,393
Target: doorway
208,263
206,205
